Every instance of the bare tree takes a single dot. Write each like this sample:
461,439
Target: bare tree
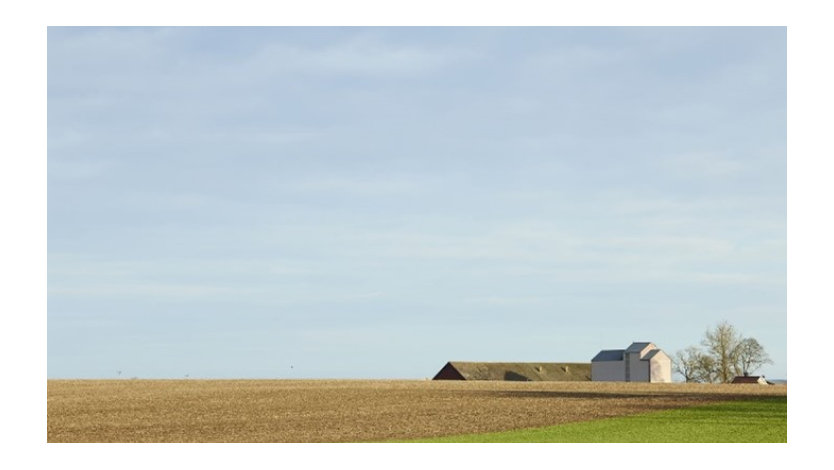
726,354
686,363
694,365
706,369
751,356
722,344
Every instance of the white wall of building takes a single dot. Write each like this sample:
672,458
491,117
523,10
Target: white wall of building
661,368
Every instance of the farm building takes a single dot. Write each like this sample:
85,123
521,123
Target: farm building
751,379
516,371
640,362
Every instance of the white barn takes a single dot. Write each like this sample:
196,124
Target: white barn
640,362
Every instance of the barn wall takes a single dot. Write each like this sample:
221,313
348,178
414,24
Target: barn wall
608,371
639,369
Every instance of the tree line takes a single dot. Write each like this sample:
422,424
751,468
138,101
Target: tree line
723,355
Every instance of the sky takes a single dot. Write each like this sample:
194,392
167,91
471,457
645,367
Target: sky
372,202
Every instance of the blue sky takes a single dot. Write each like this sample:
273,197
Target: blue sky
373,202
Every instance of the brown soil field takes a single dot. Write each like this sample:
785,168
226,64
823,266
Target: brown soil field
346,410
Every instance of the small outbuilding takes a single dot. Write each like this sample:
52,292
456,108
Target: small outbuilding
751,379
516,371
640,362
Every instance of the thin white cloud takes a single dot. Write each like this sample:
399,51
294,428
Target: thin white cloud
704,164
360,55
367,185
507,301
77,168
132,289
568,59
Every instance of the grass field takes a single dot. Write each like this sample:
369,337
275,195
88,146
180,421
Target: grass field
763,419
369,410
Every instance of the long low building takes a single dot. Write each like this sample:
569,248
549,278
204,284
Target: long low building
516,371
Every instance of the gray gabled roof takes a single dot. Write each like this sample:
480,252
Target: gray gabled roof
654,352
637,347
609,355
619,354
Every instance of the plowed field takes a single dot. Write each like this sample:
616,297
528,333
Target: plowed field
345,410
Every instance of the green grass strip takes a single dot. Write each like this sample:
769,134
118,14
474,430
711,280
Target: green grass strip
759,420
